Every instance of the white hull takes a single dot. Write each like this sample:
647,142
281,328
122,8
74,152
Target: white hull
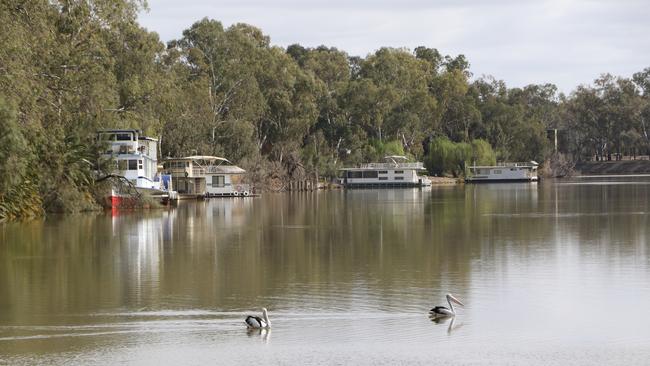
514,172
393,173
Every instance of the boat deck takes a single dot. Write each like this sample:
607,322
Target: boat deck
384,185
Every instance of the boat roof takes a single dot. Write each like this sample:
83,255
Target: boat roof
392,162
109,130
128,130
396,157
230,169
385,168
531,163
201,157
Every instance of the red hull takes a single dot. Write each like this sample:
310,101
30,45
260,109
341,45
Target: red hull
121,202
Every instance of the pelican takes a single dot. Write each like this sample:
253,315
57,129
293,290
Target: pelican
255,322
443,311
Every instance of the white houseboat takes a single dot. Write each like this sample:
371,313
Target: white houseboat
395,171
504,172
135,166
206,176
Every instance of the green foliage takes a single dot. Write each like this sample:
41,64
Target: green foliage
606,118
68,68
21,201
19,196
14,151
482,153
385,148
449,158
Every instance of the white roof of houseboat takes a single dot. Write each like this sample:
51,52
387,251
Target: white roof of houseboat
202,157
128,130
227,168
392,162
529,164
230,169
208,157
395,157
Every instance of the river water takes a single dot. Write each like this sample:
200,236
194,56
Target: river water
554,273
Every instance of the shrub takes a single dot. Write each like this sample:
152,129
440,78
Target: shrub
447,157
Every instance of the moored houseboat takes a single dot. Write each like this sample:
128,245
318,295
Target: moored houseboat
395,171
504,172
135,169
206,176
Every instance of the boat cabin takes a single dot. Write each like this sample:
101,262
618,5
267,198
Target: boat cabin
395,171
206,176
134,156
504,172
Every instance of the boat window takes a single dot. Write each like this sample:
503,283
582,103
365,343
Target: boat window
399,172
178,164
513,169
107,137
353,174
383,172
140,164
218,181
399,178
122,165
383,178
370,174
497,171
123,137
133,164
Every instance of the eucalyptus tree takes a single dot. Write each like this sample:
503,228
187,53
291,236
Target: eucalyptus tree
514,121
331,137
291,99
457,110
642,80
219,98
604,116
58,70
391,98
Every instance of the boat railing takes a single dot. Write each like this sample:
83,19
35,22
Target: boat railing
417,165
206,169
522,163
506,165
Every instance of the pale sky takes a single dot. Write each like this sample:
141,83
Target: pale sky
567,42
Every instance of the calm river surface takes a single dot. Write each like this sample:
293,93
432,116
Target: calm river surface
554,273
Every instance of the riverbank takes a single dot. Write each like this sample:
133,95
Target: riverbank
622,167
445,180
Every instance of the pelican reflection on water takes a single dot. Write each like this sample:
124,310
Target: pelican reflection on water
444,320
263,333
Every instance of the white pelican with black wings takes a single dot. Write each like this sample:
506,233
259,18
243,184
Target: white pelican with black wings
442,311
255,322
